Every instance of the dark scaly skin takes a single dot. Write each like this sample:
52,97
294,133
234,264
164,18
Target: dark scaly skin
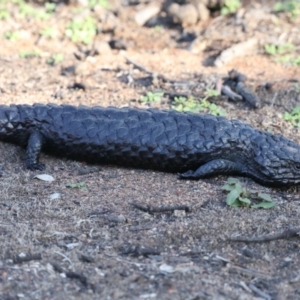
196,146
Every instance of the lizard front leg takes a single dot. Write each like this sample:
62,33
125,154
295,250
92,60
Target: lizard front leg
33,151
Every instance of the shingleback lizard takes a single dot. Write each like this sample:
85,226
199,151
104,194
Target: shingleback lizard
194,145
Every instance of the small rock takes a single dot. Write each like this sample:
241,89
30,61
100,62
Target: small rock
55,196
44,177
186,14
179,213
116,219
102,48
117,44
164,268
148,12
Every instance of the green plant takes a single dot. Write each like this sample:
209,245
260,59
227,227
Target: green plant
212,108
48,32
273,49
238,196
103,3
158,28
292,7
230,7
29,11
12,35
4,14
50,7
293,116
297,87
186,104
82,30
283,53
191,105
289,60
55,59
152,97
29,54
79,185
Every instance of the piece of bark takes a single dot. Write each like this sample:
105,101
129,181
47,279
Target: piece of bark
147,13
241,49
226,90
248,95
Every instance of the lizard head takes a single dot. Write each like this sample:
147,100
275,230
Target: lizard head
276,160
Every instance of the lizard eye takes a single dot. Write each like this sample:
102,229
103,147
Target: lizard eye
297,166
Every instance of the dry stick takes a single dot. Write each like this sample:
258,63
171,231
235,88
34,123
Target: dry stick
259,292
135,228
139,250
186,84
29,257
286,234
248,95
81,278
226,90
249,271
153,209
144,69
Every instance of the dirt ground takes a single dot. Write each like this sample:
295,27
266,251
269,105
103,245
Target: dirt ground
88,241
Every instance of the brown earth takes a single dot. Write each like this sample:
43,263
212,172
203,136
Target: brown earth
91,243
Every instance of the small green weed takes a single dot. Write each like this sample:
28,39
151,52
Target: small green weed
4,14
238,196
50,7
29,11
293,116
30,54
82,30
289,60
212,108
292,7
283,53
186,104
273,49
191,105
152,97
48,32
103,3
297,87
12,35
79,185
55,59
230,7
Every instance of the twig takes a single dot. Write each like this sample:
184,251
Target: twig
259,292
135,228
154,209
274,98
28,257
249,271
137,250
286,234
65,258
144,69
78,276
57,268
